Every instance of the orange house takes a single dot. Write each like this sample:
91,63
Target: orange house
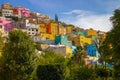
52,28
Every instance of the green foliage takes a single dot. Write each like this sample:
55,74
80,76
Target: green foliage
80,53
102,72
18,58
51,66
52,20
50,72
49,57
82,73
38,46
112,43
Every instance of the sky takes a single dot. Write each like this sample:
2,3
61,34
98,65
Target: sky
82,13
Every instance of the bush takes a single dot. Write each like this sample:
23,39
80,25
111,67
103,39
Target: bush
82,73
50,72
102,72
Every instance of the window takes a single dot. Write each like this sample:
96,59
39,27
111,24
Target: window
0,27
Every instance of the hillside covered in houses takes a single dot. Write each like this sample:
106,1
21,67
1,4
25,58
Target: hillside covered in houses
52,34
55,42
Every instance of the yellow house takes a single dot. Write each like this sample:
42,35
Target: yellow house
81,40
91,32
42,28
85,40
48,36
51,37
69,29
69,52
62,30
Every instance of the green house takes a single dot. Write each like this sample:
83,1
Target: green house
62,40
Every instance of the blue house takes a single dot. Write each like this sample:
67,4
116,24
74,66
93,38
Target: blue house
92,51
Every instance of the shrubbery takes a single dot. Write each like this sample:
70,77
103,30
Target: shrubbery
50,72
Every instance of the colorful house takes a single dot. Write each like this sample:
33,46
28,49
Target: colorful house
6,10
19,24
70,37
91,32
92,51
83,33
81,40
48,36
5,25
93,54
63,40
69,29
52,28
61,49
6,6
42,28
32,29
62,29
69,51
21,12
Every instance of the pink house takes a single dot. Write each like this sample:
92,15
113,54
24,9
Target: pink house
21,12
7,25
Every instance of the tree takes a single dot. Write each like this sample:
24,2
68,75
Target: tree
82,73
112,43
56,18
50,57
18,58
80,53
51,66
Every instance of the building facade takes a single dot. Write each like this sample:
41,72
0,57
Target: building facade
61,49
69,29
62,29
6,6
7,12
32,29
42,28
91,32
92,50
6,26
63,40
81,40
52,28
21,12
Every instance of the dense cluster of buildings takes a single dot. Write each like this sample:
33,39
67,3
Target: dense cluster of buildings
57,36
